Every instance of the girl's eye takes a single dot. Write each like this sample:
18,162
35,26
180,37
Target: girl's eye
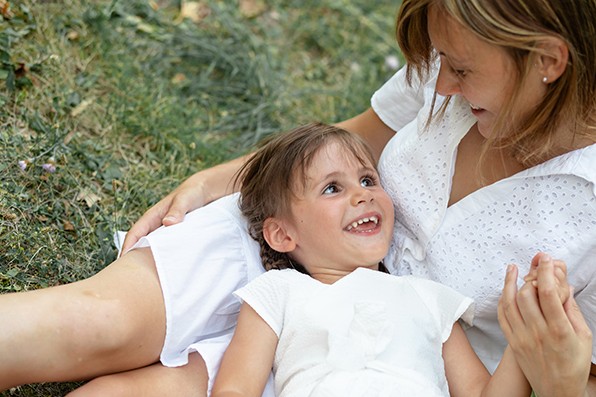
331,188
368,181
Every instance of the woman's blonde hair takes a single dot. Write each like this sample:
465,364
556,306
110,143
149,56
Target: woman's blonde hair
519,27
270,177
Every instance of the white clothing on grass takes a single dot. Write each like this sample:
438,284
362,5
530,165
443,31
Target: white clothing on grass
550,207
200,263
350,338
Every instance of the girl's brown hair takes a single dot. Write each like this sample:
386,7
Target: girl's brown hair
269,178
519,26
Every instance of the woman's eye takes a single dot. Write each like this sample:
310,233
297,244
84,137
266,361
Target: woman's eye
332,188
460,73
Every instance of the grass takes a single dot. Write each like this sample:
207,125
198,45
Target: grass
105,106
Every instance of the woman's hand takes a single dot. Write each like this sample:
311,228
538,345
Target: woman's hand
196,191
549,337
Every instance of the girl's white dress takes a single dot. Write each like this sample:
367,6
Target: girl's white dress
350,338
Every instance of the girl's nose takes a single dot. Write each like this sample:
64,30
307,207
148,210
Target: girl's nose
362,195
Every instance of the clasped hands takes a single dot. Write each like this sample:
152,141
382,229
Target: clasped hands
546,329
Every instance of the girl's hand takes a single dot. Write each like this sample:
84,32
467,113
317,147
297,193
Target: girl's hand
551,341
564,290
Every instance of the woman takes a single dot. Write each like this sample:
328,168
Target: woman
503,169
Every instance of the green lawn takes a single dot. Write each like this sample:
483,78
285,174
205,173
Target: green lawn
105,106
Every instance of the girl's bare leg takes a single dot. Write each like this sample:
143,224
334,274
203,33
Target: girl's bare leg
111,322
154,380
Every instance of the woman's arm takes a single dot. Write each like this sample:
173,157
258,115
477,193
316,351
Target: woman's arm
468,377
370,127
552,342
215,182
247,363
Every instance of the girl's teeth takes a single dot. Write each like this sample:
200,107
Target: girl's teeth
354,224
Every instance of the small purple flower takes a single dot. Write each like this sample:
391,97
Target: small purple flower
22,164
49,167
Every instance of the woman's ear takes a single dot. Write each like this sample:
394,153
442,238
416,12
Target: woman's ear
552,59
276,234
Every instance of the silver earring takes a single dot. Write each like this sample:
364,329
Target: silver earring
545,79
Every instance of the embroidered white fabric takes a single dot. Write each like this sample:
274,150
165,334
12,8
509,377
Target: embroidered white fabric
550,207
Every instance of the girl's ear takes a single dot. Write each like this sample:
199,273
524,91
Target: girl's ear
277,236
553,60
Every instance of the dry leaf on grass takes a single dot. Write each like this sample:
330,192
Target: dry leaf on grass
81,107
194,10
252,8
5,9
89,197
68,226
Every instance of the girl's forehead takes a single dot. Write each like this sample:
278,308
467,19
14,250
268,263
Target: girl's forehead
333,156
343,152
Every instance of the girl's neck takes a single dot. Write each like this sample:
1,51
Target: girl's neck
330,276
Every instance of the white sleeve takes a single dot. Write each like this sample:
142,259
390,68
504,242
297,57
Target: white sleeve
586,300
267,296
397,103
447,305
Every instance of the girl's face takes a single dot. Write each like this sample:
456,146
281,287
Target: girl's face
342,218
481,73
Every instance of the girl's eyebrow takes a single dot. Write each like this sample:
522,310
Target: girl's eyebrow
335,174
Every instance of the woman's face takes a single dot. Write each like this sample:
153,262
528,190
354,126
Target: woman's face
483,74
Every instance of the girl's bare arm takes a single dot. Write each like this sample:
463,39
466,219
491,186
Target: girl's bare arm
468,377
247,363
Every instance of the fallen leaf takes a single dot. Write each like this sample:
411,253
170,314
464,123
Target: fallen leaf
252,8
5,9
81,107
194,10
68,226
72,35
178,78
9,216
89,197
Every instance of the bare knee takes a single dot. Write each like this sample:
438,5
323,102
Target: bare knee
102,386
155,380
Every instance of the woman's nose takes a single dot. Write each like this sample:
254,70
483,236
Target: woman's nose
447,81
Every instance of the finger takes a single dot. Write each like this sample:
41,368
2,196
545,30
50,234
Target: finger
548,293
529,307
560,266
182,203
576,318
507,310
149,221
533,271
563,286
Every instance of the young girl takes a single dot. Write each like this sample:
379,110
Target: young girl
330,323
